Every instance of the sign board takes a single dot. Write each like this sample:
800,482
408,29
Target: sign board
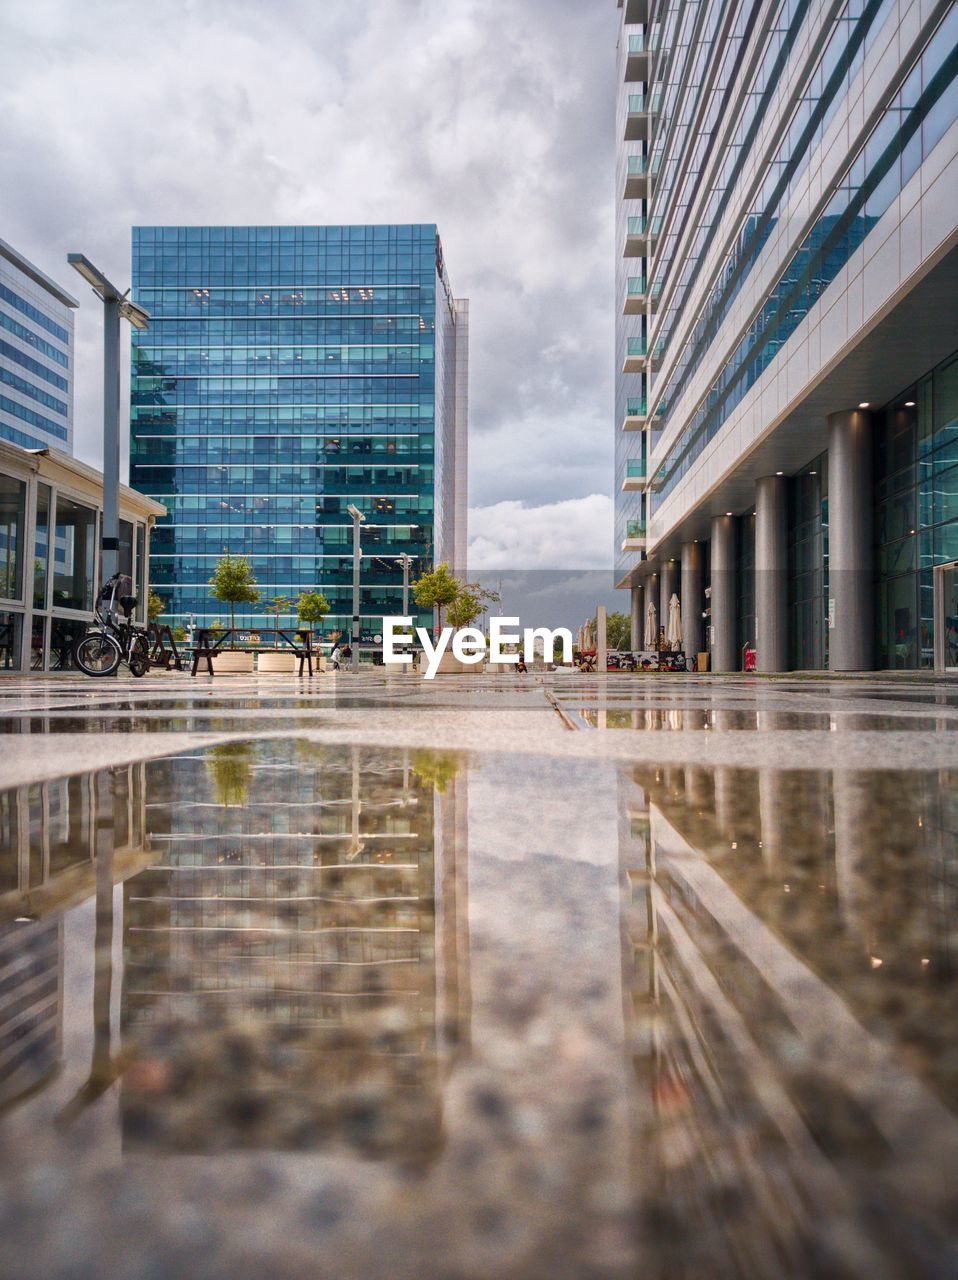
831,613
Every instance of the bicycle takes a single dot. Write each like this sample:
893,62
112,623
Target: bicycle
100,652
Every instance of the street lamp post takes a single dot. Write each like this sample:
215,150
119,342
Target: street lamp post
358,519
115,306
405,560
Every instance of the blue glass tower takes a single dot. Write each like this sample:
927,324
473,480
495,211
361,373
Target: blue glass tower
289,372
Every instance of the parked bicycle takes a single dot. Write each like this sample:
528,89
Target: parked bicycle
116,639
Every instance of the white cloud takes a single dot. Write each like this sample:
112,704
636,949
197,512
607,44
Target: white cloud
573,534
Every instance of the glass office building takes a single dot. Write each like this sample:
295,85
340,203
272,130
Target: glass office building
36,356
288,373
787,328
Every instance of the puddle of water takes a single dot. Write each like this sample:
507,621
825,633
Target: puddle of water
407,1012
684,718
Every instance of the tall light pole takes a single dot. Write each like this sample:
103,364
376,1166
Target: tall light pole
358,519
115,305
405,560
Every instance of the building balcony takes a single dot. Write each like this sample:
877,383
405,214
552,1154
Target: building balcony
636,11
634,539
636,356
640,296
638,57
640,117
636,472
640,235
635,416
640,176
636,295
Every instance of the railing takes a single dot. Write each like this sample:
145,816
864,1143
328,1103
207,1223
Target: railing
635,469
637,286
644,43
637,347
639,166
635,529
640,226
643,102
635,408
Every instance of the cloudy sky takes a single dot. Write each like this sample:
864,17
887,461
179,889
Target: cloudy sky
492,118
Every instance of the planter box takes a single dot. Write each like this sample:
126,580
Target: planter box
285,663
229,663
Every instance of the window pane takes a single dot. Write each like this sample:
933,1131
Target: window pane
13,494
10,630
41,547
74,556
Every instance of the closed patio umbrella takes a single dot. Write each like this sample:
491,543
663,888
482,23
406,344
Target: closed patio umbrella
674,634
651,628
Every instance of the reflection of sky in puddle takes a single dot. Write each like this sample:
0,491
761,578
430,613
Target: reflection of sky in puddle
694,1021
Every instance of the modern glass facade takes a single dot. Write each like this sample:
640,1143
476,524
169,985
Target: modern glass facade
36,356
288,373
916,505
786,262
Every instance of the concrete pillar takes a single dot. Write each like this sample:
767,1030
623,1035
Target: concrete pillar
651,597
668,586
850,504
724,598
772,808
638,617
693,639
771,572
601,639
854,810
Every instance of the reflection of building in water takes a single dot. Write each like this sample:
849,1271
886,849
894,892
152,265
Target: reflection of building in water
31,1000
788,940
281,958
48,864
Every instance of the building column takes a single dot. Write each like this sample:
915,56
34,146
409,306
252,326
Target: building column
771,572
723,599
693,641
651,597
668,586
850,566
637,619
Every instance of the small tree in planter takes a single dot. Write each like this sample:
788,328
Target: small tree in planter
471,603
280,605
312,607
436,590
466,608
233,583
155,607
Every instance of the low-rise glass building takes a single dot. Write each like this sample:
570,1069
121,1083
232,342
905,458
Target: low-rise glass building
50,515
289,373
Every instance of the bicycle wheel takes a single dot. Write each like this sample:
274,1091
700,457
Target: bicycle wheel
139,662
97,654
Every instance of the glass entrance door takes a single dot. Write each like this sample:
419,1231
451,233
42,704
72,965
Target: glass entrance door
946,617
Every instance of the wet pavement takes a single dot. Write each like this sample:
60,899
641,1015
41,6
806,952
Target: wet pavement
360,977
